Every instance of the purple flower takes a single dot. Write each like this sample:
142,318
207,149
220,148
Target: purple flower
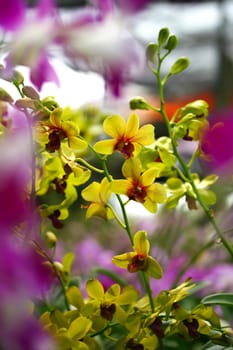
43,72
217,143
25,334
12,14
132,6
22,332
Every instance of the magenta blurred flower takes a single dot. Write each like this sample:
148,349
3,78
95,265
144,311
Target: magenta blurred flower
24,274
217,143
112,52
132,6
15,153
29,45
43,72
12,14
24,333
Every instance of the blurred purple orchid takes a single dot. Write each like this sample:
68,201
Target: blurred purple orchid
12,14
23,272
29,44
112,52
217,143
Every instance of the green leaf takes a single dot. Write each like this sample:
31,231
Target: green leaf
163,36
179,66
151,51
219,299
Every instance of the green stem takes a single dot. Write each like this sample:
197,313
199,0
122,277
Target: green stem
148,290
112,275
191,261
89,166
116,216
125,217
59,277
185,168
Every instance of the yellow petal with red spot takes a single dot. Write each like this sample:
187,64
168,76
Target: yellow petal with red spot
114,126
123,260
141,243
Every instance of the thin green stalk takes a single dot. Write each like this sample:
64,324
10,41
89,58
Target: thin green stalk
112,275
125,217
89,166
148,290
59,277
184,166
116,216
191,261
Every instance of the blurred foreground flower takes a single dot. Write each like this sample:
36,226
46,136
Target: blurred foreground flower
217,143
112,52
24,276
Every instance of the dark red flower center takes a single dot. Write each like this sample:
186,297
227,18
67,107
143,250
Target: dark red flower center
107,311
137,192
139,262
125,146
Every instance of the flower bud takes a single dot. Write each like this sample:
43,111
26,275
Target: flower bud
139,103
180,65
51,239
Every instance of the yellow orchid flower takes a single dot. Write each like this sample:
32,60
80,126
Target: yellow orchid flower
127,137
139,260
56,130
139,186
98,194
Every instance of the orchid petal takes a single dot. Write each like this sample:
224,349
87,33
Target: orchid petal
145,135
114,126
105,146
123,260
141,243
120,186
95,290
91,192
153,268
132,126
